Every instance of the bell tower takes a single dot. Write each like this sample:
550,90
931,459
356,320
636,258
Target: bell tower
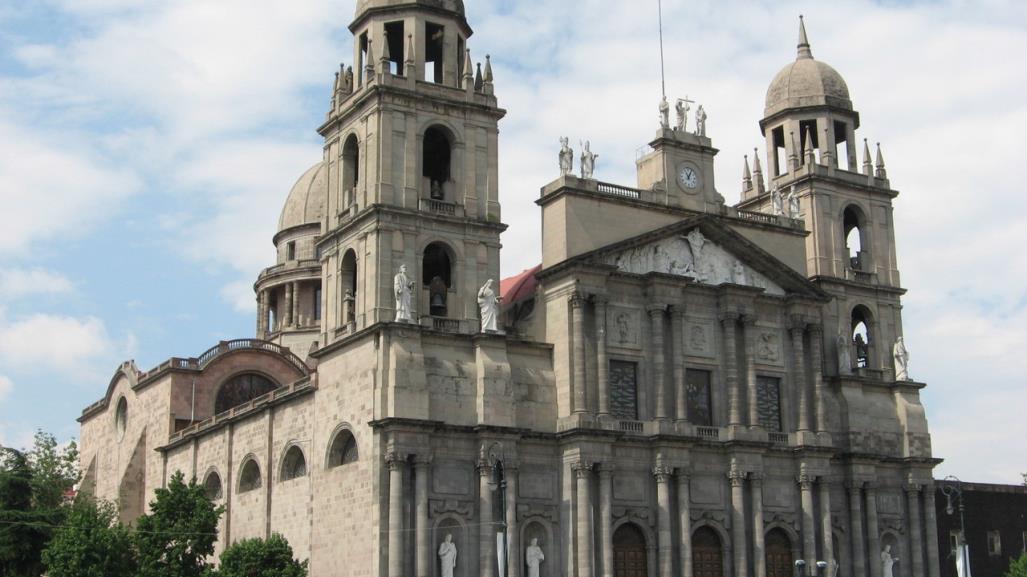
810,129
411,146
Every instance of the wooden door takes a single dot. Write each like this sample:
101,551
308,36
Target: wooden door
779,554
629,552
707,554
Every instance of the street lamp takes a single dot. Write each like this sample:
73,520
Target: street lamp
497,482
954,490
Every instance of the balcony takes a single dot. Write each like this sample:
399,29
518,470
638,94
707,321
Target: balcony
441,207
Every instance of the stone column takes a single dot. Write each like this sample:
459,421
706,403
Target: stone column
287,317
799,378
684,523
859,568
931,532
663,522
827,536
423,547
816,348
397,472
809,536
873,537
749,323
486,529
296,321
606,517
659,359
677,320
602,362
916,542
514,539
577,303
734,398
759,557
738,542
583,472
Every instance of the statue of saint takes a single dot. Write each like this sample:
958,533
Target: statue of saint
682,109
664,113
887,561
588,161
700,121
738,273
844,355
447,556
901,360
776,201
533,557
793,203
402,288
566,157
348,82
488,304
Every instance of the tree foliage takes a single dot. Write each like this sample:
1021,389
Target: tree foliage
1018,567
260,558
22,530
178,535
54,470
91,543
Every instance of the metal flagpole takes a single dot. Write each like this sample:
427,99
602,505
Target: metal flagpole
663,77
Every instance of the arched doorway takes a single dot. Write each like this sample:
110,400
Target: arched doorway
707,553
629,552
779,554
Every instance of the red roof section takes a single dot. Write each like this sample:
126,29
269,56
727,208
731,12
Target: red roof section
520,286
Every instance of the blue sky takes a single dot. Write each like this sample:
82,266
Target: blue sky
146,149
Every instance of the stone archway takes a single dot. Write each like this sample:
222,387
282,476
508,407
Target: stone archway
630,557
779,554
707,553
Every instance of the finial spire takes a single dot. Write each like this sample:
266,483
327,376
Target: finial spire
489,87
804,49
468,79
746,175
808,152
880,172
410,49
868,166
478,81
757,171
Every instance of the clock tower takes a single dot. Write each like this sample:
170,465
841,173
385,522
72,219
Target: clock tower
680,169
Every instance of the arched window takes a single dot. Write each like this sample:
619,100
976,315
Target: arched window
853,224
241,389
121,417
212,486
350,170
349,286
437,275
436,158
343,450
862,335
294,465
249,478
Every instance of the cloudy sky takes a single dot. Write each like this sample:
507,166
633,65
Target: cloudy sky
146,149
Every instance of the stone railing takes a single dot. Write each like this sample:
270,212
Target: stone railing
439,206
631,426
757,217
445,325
711,433
617,190
860,276
778,438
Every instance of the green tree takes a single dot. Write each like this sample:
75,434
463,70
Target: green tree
260,558
91,543
54,470
22,534
1018,567
178,535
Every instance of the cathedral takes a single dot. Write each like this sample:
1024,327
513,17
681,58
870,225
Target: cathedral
681,387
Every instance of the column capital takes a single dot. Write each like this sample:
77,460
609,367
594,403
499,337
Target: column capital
854,485
736,477
576,299
582,469
805,481
655,309
601,300
870,487
756,478
728,318
683,475
604,469
395,461
815,329
677,310
662,473
748,319
912,488
422,460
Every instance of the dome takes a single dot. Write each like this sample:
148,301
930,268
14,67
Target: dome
306,201
806,82
456,6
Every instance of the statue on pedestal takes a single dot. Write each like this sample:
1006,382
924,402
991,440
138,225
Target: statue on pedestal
588,161
793,203
682,109
566,157
776,201
488,304
700,121
901,360
534,557
664,113
844,355
447,556
402,288
887,561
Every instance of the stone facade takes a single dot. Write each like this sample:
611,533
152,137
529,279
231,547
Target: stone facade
666,397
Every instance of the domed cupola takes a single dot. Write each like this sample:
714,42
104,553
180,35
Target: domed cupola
306,201
806,82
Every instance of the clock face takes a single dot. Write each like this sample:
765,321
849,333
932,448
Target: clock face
688,178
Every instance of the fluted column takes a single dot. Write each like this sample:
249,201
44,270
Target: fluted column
264,311
809,535
513,530
684,523
296,304
759,557
931,532
288,306
749,323
606,517
859,568
738,542
916,549
486,529
397,472
799,377
873,537
827,536
577,303
423,547
734,397
659,359
602,362
677,329
663,520
583,472
816,346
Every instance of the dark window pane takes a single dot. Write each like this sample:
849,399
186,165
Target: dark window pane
242,389
624,390
768,401
700,408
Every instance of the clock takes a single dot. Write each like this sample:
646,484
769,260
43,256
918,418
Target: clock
688,178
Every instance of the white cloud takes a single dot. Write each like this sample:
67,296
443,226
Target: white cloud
16,283
81,349
6,386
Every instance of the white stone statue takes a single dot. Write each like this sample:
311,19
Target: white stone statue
664,113
682,108
533,557
488,304
700,121
776,201
887,561
447,556
566,156
901,360
588,161
793,203
844,355
738,273
696,240
403,288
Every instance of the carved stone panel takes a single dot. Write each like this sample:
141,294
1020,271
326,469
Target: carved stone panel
700,339
888,502
534,483
707,490
629,486
768,348
452,477
624,327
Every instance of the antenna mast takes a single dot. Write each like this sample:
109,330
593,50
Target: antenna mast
663,76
